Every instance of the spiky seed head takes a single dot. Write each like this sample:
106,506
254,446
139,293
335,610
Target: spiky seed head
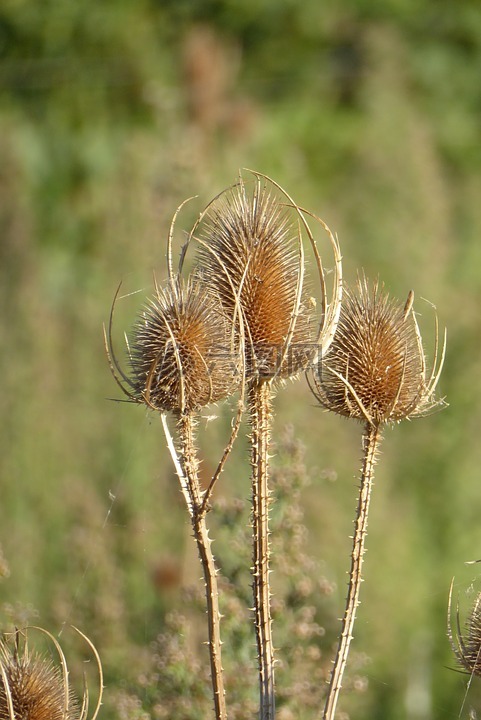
182,353
249,253
375,369
36,687
467,645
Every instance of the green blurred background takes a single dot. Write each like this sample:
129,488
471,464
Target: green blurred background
111,114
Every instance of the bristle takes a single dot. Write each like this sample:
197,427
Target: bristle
250,254
182,349
375,368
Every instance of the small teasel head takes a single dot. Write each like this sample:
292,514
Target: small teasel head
182,350
251,252
375,369
466,644
34,687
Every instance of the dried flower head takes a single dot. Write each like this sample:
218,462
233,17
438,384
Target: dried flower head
251,252
375,369
34,687
467,645
182,351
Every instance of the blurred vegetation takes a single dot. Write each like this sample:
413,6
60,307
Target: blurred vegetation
113,113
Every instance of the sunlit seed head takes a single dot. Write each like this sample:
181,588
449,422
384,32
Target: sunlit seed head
36,687
182,352
250,254
375,369
466,644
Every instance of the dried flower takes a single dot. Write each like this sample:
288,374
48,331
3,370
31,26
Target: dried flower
185,354
33,687
467,645
182,353
251,253
375,369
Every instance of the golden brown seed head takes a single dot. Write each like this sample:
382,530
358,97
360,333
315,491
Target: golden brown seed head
182,352
36,686
375,368
467,645
250,255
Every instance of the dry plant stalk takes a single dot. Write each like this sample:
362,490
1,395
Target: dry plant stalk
32,686
184,355
252,254
375,372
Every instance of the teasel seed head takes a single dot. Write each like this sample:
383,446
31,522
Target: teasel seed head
466,644
375,369
34,687
252,254
182,350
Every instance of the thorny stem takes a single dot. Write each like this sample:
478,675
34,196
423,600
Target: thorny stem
259,407
190,465
371,440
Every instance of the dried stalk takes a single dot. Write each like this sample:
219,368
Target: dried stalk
186,464
371,440
259,400
197,510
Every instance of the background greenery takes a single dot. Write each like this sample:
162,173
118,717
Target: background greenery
111,114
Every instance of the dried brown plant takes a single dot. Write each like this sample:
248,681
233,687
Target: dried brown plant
184,354
34,687
375,372
466,644
252,253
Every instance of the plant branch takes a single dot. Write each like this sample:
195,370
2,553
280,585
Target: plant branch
190,465
371,440
260,410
